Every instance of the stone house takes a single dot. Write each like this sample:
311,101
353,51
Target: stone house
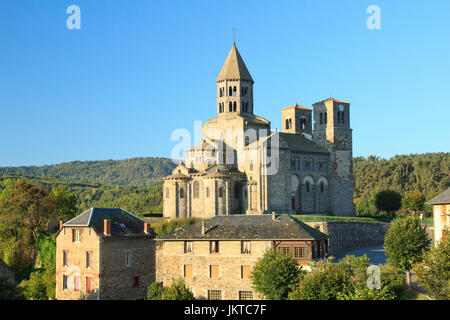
104,253
441,213
215,257
242,166
6,271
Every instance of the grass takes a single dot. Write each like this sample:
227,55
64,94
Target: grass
410,294
169,226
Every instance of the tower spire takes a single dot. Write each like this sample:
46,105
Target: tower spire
234,35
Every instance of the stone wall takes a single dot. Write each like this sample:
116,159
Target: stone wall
347,235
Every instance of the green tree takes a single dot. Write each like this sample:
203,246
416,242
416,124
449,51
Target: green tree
388,201
35,288
433,273
25,209
177,291
414,201
66,202
405,243
9,290
275,275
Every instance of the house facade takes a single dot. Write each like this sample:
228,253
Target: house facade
242,166
215,257
104,253
441,214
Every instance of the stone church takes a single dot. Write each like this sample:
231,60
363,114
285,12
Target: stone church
241,166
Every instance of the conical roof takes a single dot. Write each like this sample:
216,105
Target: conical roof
234,67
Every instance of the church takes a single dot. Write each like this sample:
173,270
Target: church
241,166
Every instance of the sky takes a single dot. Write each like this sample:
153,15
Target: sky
137,70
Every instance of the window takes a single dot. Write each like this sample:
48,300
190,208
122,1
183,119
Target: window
220,192
245,272
285,250
88,284
443,213
181,193
237,191
287,124
214,272
76,235
196,189
245,247
245,295
128,258
325,118
187,246
88,259
64,282
321,118
303,124
230,91
167,193
207,192
307,186
290,123
136,282
65,257
234,106
214,246
76,283
230,106
188,271
214,295
234,91
322,189
300,252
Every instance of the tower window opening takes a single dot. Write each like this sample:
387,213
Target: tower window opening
321,188
246,107
230,91
307,186
181,193
287,124
220,192
325,118
303,124
234,106
321,118
230,106
234,91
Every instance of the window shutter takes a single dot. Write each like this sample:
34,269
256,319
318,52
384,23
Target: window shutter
214,272
245,272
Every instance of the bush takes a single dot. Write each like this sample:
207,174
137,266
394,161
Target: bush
176,291
275,275
9,290
169,226
388,201
433,273
154,291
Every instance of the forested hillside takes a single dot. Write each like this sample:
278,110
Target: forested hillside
428,173
136,172
136,184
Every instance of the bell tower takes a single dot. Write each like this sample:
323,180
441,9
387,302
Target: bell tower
234,86
332,130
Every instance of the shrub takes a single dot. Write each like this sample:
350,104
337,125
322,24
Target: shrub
154,291
176,291
275,275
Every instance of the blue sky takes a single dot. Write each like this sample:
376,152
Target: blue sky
137,70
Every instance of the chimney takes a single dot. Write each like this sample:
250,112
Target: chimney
274,217
107,227
203,228
146,228
61,224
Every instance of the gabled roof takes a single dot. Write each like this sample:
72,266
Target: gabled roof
298,143
247,227
332,99
296,106
123,223
234,67
441,198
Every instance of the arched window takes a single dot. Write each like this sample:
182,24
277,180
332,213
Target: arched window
325,118
220,92
322,189
234,91
307,186
234,106
321,118
290,123
167,192
220,192
207,192
230,91
181,193
342,117
287,123
196,189
303,124
230,106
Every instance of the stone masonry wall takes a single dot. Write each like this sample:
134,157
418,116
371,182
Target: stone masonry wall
346,235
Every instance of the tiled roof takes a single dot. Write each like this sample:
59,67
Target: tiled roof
441,198
234,67
123,223
298,143
249,227
332,99
297,106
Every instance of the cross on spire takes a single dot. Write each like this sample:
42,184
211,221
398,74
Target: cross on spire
234,35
